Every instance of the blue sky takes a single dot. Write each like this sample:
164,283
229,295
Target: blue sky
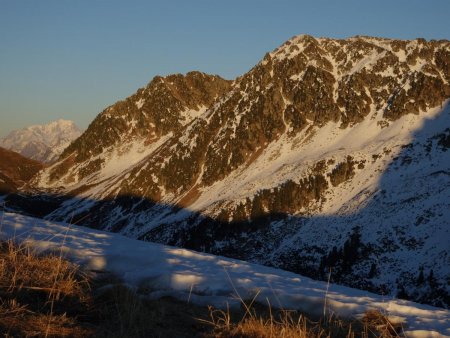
72,58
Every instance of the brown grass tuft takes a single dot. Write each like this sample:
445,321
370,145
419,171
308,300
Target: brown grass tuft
47,296
287,326
272,323
379,322
40,295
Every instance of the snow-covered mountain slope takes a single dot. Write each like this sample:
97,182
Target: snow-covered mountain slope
156,270
328,153
130,130
43,143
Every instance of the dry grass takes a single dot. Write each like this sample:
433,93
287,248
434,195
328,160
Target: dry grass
289,324
40,295
259,326
377,321
262,321
47,296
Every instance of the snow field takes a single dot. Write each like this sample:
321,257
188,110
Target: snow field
213,280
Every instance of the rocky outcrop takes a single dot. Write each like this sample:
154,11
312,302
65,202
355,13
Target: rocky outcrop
342,172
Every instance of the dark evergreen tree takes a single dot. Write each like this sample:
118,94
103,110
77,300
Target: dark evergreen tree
373,270
323,263
401,293
257,208
350,252
333,257
420,278
431,279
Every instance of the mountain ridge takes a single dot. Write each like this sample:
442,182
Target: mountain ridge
308,132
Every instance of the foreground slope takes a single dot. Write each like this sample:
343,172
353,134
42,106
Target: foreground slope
157,270
327,154
43,143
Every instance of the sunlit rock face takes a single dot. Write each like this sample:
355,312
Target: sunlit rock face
327,154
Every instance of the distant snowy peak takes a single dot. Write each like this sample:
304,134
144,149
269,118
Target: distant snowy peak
42,142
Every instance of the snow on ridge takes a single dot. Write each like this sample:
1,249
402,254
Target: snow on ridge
276,163
125,157
140,103
209,279
189,115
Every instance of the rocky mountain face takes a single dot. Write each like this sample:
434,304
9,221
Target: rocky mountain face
15,170
42,143
327,156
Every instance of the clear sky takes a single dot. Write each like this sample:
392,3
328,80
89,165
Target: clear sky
72,58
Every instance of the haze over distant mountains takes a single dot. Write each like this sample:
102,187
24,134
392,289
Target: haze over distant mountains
43,143
327,154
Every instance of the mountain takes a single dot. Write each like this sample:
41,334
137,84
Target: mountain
327,156
15,170
43,143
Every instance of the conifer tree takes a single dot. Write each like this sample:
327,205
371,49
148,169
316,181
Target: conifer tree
431,279
420,278
373,270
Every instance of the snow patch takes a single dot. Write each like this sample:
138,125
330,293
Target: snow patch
209,279
140,103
